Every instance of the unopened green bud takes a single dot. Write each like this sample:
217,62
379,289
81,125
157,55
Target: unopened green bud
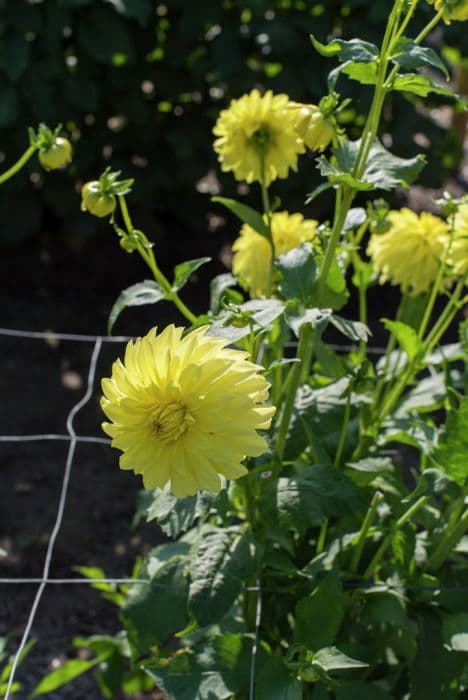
56,155
97,202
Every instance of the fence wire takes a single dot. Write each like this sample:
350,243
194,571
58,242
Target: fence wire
74,439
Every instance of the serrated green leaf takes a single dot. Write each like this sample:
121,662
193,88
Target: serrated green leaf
275,681
332,659
298,272
297,316
337,176
147,292
217,668
455,631
245,213
354,330
218,567
352,50
183,271
176,515
318,190
264,312
155,610
405,336
451,453
421,85
218,286
411,56
320,615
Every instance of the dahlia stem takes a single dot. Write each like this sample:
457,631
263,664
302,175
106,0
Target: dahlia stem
267,212
452,535
305,339
148,256
436,286
387,541
366,525
344,198
20,163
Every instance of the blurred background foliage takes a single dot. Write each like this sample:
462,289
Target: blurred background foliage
138,85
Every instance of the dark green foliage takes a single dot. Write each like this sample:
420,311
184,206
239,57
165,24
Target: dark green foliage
146,81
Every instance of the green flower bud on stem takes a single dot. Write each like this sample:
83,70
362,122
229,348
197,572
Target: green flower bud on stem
57,155
99,196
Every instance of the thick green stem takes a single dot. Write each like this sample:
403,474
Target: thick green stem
322,537
387,541
366,525
342,206
344,430
305,339
20,163
148,256
450,538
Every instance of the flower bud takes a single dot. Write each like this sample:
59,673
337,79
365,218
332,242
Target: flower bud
453,10
313,127
56,154
97,202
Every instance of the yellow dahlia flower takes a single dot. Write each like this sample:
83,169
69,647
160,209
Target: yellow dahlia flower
312,126
252,252
185,410
459,248
258,131
409,254
454,10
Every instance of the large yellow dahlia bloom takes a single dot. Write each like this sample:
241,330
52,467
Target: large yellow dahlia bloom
409,254
459,248
252,252
258,130
454,10
185,410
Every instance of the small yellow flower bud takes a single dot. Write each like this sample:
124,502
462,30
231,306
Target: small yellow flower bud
453,10
312,126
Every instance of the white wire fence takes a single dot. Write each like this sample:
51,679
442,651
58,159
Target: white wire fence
73,439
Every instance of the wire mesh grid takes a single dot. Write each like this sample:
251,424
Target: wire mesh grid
73,439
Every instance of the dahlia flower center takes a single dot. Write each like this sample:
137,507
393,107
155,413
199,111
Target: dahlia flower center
170,421
261,137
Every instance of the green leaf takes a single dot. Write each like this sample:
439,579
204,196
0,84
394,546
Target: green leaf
157,609
218,286
297,316
352,50
455,631
66,673
452,450
218,568
176,515
318,190
219,668
421,85
356,690
411,56
354,218
263,313
332,659
354,330
405,336
276,682
246,214
147,292
320,615
298,271
434,670
365,471
306,500
183,271
337,176
364,73
432,483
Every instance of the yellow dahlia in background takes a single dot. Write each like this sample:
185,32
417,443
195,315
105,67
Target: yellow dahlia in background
409,254
258,129
312,126
252,252
185,410
454,10
459,248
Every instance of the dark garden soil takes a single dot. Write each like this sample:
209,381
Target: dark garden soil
47,286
